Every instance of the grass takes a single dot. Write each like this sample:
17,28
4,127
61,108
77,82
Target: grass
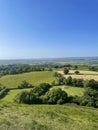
12,94
72,91
47,117
43,117
35,78
83,75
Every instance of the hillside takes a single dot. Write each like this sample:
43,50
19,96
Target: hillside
46,117
35,78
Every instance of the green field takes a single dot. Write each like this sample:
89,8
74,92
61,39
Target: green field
12,94
43,117
83,74
35,78
72,91
47,117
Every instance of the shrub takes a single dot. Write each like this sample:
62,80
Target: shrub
77,72
57,95
66,71
25,84
41,89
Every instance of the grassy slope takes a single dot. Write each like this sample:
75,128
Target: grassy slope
70,90
47,117
12,94
34,78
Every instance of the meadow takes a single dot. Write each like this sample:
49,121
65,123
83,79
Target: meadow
47,117
71,91
83,74
35,78
15,116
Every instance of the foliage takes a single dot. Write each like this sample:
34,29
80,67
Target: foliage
66,71
25,84
41,89
56,96
27,98
77,72
90,98
93,84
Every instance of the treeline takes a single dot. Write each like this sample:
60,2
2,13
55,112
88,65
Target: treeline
3,91
61,80
19,68
42,94
22,68
47,94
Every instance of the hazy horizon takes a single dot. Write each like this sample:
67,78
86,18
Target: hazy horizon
33,29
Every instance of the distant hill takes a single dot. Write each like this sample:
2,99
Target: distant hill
72,60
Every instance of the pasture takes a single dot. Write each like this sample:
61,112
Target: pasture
83,74
47,117
35,78
72,91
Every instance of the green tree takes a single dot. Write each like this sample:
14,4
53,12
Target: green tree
25,84
93,84
77,72
57,95
69,81
66,71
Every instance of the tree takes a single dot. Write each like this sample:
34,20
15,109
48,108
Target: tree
77,72
69,81
90,98
75,67
25,84
41,89
93,84
66,71
57,95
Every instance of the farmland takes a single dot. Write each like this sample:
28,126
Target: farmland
35,78
83,74
44,117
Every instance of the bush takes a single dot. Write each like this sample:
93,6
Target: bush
25,84
90,98
41,89
66,71
93,84
27,98
77,72
57,95
68,81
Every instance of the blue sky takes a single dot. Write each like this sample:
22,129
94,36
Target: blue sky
48,28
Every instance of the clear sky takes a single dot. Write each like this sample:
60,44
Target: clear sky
48,28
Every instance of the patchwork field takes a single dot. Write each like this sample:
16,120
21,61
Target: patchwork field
44,117
83,74
35,78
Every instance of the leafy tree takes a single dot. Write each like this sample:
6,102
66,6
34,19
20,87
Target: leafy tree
75,67
57,95
27,98
69,81
93,84
90,98
41,89
66,71
77,72
25,84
